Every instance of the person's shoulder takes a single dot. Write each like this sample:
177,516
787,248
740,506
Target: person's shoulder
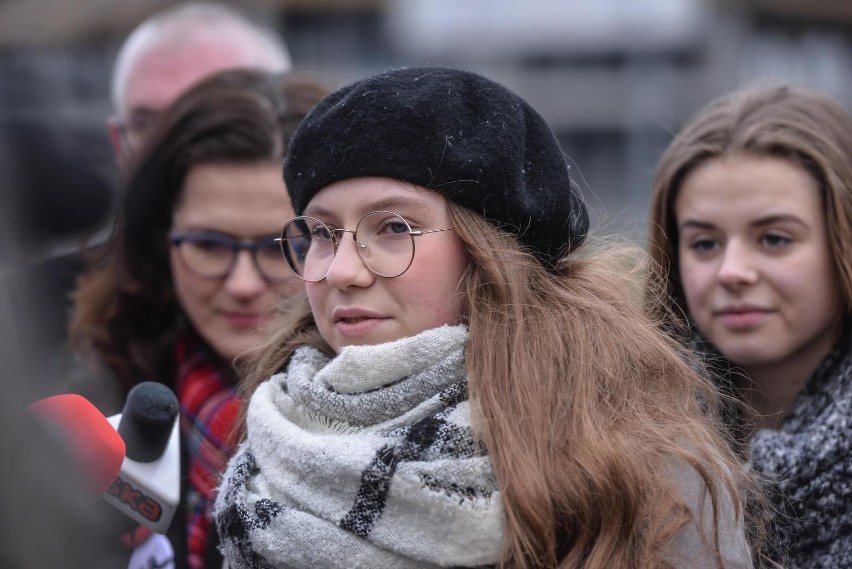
694,546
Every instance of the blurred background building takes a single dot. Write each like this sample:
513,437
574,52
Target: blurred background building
613,77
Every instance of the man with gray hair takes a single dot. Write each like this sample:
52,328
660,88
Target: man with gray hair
172,50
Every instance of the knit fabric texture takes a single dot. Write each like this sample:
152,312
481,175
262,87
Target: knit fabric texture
451,131
809,463
366,460
209,405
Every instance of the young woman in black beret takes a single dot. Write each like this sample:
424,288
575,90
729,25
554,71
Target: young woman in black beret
464,382
752,214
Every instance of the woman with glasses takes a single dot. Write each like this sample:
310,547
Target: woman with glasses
191,272
464,382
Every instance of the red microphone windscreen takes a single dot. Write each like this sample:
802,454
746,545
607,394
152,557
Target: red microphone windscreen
92,441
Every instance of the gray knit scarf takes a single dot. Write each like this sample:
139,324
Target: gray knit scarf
807,463
364,460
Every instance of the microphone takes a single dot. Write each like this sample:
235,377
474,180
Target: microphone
95,447
147,488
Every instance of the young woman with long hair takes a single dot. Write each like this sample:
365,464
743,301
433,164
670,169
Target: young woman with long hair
750,225
465,382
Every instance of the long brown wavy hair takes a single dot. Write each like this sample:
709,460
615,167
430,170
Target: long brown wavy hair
126,314
801,126
584,405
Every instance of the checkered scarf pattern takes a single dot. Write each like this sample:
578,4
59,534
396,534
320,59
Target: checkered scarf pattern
209,406
364,460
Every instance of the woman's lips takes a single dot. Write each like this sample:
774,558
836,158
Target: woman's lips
244,319
744,318
355,324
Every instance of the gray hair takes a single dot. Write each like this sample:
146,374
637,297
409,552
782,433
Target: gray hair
187,20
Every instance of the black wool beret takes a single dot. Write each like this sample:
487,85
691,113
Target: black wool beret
454,132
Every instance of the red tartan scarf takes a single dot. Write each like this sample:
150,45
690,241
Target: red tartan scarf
209,405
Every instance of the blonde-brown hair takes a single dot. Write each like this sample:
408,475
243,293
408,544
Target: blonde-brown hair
583,404
795,124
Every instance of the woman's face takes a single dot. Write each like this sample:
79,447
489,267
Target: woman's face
245,202
353,306
755,262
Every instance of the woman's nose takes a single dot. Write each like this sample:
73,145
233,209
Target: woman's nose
737,267
245,280
347,269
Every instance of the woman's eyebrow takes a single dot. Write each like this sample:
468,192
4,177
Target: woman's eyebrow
384,204
695,224
761,222
779,218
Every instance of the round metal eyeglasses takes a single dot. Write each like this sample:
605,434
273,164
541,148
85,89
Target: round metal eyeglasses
384,241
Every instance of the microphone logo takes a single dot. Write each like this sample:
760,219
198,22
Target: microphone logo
136,499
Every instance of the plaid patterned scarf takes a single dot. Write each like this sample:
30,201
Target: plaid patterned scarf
208,408
364,460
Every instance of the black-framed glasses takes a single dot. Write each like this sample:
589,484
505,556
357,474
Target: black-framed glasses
212,255
384,241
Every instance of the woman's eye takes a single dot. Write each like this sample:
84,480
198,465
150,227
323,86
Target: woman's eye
773,240
269,249
395,226
320,233
704,245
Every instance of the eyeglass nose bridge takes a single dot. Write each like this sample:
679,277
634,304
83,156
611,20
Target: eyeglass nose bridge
252,248
354,233
252,253
359,245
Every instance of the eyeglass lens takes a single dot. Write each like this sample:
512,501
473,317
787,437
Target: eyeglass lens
214,256
382,239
